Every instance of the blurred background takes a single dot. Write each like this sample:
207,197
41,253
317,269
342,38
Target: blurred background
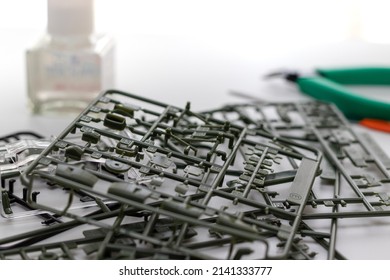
200,50
187,50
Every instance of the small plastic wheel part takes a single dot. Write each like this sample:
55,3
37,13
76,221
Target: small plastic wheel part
116,166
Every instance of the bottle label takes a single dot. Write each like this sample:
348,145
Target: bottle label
72,71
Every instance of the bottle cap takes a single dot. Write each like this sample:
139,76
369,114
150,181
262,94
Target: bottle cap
70,17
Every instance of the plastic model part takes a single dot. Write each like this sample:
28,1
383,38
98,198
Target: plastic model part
353,166
359,161
270,181
16,152
15,156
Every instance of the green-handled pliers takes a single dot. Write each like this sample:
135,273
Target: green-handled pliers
328,85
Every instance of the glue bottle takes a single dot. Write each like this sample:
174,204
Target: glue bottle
70,65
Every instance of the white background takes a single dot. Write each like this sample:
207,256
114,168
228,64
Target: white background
198,51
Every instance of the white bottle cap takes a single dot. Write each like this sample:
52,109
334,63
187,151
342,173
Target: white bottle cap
70,17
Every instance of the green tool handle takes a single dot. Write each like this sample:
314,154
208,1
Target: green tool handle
358,76
354,106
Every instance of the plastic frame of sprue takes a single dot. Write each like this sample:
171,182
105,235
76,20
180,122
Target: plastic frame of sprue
246,181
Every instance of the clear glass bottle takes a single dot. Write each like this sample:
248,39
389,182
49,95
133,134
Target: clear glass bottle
70,65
